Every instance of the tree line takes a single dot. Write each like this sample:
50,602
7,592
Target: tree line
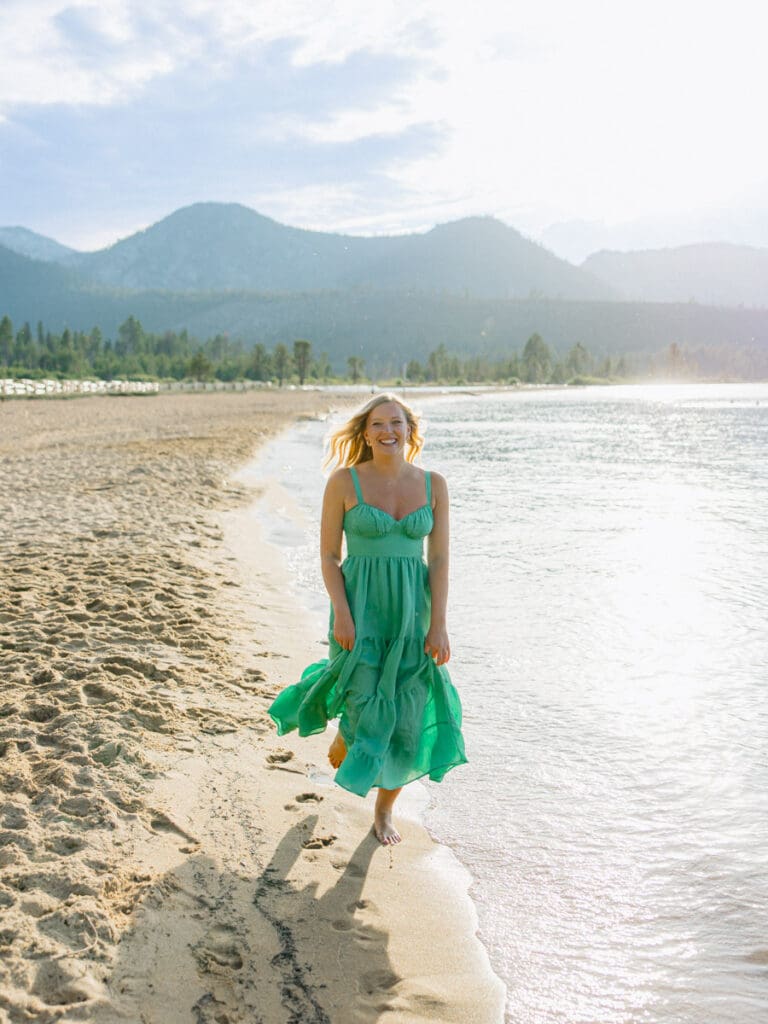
139,354
176,355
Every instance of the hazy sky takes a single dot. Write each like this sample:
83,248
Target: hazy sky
580,123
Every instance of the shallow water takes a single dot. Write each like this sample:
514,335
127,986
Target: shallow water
608,614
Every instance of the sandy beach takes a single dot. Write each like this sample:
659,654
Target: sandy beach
165,857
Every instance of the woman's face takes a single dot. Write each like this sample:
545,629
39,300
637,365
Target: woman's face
386,429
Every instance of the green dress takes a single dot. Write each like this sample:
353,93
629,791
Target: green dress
400,715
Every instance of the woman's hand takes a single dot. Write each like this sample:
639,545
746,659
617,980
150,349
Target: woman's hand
436,644
344,630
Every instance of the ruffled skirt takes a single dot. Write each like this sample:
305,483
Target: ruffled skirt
400,715
393,733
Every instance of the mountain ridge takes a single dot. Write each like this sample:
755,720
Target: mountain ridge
711,273
210,246
34,245
227,246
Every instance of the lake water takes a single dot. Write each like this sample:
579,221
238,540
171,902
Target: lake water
608,615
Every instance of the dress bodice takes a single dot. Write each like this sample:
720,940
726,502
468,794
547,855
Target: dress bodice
372,531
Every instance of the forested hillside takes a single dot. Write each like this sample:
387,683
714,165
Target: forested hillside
217,246
139,354
475,288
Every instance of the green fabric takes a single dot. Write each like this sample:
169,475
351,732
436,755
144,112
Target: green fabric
400,715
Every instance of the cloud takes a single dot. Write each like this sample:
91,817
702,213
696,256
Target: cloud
77,51
538,114
239,131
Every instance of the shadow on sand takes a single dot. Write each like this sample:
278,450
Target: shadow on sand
222,946
330,923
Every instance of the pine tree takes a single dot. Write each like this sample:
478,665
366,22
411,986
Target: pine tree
355,366
537,360
6,340
302,353
281,361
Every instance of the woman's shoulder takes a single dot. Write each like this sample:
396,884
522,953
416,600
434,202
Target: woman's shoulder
433,475
438,485
436,478
339,481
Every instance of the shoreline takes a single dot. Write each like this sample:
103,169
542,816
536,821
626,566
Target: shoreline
163,855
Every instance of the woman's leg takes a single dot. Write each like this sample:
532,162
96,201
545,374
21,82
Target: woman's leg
385,831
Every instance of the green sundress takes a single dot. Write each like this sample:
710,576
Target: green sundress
400,715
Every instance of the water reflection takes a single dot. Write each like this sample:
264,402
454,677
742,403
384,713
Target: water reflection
611,552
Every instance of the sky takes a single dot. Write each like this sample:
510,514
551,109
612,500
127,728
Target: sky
584,125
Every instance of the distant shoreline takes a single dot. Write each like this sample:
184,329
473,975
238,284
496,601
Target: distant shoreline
49,388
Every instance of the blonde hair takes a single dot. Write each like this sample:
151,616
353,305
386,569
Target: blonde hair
347,446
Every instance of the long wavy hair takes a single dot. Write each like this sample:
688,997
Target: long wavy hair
347,447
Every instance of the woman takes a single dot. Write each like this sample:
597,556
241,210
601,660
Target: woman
385,677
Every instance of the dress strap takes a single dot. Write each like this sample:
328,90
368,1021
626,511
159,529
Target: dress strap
356,482
428,479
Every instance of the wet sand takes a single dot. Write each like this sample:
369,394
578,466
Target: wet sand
164,856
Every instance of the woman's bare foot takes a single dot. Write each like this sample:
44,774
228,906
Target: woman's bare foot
337,751
383,828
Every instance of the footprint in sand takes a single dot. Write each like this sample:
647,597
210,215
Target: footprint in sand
96,693
350,870
119,664
279,757
220,947
65,983
76,672
82,806
64,845
162,823
366,934
304,798
14,817
42,713
279,761
319,842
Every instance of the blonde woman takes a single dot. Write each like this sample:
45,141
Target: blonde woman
385,677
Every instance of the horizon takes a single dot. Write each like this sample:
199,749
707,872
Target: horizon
390,121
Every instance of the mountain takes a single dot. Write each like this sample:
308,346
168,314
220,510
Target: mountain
714,274
218,247
25,281
388,328
34,290
474,285
37,247
478,256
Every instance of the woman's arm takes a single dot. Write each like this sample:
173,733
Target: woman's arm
331,532
436,643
